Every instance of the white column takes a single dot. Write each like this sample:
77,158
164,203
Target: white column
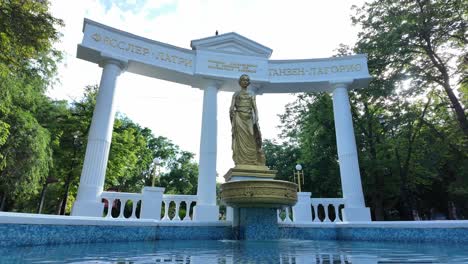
206,208
88,201
355,208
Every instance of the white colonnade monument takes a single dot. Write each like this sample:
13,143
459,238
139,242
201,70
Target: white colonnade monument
214,64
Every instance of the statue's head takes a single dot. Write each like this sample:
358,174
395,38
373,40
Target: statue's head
244,80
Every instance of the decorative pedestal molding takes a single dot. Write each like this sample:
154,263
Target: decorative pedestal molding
249,172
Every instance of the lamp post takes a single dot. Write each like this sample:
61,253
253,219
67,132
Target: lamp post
76,144
299,173
155,166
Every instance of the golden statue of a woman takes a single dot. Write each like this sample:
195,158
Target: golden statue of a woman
246,136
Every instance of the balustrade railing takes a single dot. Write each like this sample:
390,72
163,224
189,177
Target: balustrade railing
322,210
327,209
121,205
181,207
177,208
115,204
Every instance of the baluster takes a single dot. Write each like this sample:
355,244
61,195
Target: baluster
325,209
278,212
110,204
166,210
134,206
316,219
287,219
177,206
337,213
122,207
187,210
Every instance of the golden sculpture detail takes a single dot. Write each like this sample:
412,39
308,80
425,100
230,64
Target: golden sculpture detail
250,183
259,193
246,135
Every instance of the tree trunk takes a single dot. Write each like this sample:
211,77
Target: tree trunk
3,202
459,112
59,206
445,83
378,208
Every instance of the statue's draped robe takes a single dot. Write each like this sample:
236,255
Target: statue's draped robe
245,133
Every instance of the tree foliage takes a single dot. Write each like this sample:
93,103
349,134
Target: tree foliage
423,41
27,67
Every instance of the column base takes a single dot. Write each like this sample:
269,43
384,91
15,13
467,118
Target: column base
88,208
356,214
206,213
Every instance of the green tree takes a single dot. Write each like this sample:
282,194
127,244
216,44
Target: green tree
182,177
282,158
308,128
27,67
421,41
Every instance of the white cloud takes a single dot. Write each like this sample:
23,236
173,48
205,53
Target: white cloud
293,29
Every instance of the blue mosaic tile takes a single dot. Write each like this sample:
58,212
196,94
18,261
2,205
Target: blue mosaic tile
258,224
193,232
28,235
308,233
456,235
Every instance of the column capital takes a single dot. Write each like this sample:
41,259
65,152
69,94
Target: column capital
214,83
107,58
340,84
210,83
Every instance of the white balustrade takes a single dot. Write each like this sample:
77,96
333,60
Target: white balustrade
113,197
173,204
325,203
321,210
177,201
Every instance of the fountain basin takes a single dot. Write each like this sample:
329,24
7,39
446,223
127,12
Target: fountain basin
259,193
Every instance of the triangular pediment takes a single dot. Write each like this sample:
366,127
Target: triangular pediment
232,43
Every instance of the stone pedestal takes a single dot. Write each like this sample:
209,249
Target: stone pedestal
249,172
302,211
151,203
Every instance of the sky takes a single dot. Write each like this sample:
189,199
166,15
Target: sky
293,29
